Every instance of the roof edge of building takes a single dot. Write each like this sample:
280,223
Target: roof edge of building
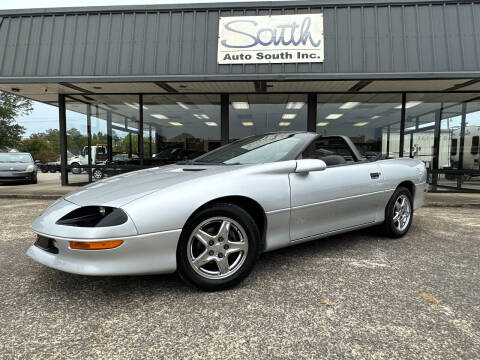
220,6
245,77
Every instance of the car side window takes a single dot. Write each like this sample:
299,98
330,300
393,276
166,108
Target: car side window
334,151
475,145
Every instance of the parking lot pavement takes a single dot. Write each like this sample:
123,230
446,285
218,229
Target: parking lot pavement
48,186
354,296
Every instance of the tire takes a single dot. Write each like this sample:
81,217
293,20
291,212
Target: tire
34,179
227,253
393,226
52,170
75,170
97,174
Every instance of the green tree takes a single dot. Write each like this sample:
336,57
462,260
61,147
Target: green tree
76,141
53,138
12,106
39,148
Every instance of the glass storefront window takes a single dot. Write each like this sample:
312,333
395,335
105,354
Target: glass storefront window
114,127
76,116
255,114
372,121
441,129
457,117
183,126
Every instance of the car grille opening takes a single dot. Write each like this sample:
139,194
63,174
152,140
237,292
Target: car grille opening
46,244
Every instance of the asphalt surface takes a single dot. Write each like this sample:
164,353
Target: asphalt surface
354,296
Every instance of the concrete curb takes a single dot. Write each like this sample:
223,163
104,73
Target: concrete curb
447,205
31,196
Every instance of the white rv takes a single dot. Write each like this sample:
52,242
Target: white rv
471,148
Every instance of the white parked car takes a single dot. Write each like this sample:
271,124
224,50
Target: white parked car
209,218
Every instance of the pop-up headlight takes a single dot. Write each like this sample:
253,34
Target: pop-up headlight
94,216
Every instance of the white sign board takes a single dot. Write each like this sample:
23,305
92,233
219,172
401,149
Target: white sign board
270,39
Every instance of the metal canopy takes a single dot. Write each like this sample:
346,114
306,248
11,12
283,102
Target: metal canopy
363,41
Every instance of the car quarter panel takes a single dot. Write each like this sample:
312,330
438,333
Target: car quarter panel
397,171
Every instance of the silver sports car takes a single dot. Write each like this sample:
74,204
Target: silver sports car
211,217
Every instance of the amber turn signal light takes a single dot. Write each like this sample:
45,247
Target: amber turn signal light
97,245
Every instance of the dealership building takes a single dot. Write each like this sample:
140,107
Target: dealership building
400,78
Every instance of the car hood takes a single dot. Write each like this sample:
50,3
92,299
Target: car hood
122,189
13,166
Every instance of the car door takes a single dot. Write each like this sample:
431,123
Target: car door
340,197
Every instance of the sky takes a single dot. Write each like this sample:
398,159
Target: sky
44,116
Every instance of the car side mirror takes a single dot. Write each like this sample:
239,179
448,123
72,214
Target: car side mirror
37,162
307,165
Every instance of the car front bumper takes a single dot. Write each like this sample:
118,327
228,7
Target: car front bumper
153,253
11,176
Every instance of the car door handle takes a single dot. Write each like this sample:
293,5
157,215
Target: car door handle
375,175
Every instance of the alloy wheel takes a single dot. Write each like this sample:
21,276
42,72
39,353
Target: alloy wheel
402,213
97,174
217,248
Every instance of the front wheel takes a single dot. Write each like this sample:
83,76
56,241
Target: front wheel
218,247
398,213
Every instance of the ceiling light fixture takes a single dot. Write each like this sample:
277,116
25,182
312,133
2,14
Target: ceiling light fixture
361,123
182,105
211,123
247,123
322,123
138,106
289,116
375,117
175,123
159,116
240,105
133,106
349,105
333,116
409,104
284,123
295,105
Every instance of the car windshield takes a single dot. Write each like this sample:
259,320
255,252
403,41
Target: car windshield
15,158
167,153
252,150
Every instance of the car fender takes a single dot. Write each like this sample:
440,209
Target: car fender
170,208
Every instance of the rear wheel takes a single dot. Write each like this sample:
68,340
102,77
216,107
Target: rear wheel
75,169
97,174
218,247
398,213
